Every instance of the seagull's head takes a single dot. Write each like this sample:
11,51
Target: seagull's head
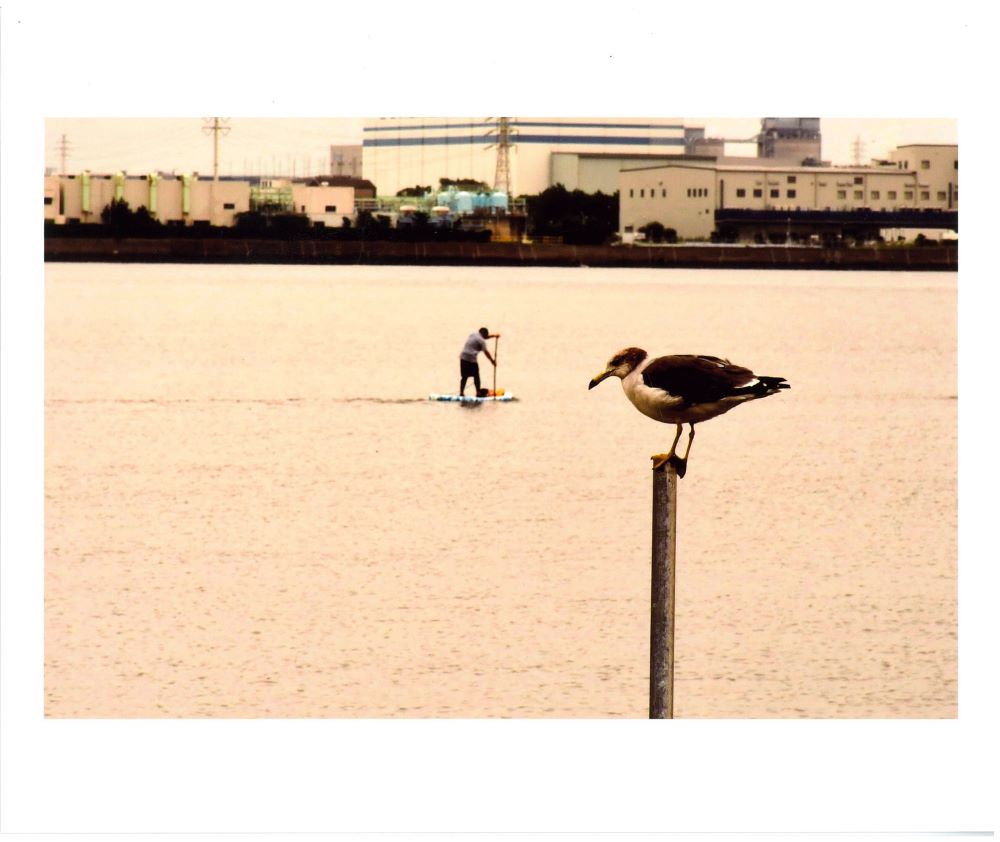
620,365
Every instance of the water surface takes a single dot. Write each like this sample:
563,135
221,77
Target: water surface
251,510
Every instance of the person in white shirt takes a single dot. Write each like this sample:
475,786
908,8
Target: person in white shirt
468,359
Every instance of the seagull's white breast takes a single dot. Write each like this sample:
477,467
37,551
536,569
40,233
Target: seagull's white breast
655,403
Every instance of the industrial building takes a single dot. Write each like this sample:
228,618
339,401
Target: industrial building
764,200
665,173
190,200
517,155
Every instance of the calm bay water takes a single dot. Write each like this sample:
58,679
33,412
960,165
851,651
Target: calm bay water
251,510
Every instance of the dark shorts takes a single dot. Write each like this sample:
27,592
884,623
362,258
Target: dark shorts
470,368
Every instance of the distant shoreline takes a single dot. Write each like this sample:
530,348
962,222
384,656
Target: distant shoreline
379,252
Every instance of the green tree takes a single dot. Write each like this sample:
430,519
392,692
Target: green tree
415,192
470,185
579,218
123,221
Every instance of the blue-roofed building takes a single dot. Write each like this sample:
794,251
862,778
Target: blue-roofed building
583,153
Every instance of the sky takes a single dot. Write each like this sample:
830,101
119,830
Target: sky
300,146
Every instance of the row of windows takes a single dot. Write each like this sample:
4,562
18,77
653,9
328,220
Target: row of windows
924,165
775,193
692,192
925,195
758,193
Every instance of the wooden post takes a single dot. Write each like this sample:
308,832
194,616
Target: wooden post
661,614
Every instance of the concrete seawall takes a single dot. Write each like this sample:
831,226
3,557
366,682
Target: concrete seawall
225,250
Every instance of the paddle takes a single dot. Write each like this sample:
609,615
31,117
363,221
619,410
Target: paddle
496,345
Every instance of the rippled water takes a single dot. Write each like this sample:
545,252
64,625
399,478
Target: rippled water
251,510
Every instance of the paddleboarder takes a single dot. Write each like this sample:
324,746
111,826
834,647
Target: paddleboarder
468,360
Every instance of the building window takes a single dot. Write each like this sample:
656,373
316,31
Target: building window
790,194
774,193
875,194
791,179
941,196
48,200
956,164
741,193
229,206
757,193
858,179
891,195
331,209
642,194
925,195
925,165
841,194
908,195
859,194
631,193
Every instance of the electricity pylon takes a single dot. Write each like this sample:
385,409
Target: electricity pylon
216,127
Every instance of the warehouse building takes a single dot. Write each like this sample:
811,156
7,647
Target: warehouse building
188,200
579,153
767,201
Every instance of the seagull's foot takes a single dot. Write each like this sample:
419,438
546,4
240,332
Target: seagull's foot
660,460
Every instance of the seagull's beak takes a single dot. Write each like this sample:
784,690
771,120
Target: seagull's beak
603,375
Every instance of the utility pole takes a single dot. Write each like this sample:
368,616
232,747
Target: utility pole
216,127
859,148
63,151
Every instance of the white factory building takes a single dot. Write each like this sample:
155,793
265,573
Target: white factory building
190,200
577,152
696,197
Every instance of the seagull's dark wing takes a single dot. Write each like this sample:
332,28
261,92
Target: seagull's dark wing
696,379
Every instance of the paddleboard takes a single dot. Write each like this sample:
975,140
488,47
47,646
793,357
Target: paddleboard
470,398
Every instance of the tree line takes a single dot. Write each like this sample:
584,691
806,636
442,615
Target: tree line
571,216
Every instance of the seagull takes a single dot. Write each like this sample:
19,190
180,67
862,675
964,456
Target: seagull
685,389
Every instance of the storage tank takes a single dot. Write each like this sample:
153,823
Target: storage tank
463,202
481,201
498,200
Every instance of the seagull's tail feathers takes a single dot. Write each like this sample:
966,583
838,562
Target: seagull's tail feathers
764,386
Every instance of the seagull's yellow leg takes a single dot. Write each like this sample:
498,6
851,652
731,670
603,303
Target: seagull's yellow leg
661,459
681,463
